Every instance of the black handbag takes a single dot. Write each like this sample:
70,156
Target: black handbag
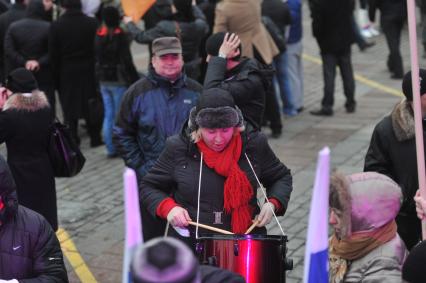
64,153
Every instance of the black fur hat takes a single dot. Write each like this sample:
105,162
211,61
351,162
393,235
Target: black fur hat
21,80
407,87
215,109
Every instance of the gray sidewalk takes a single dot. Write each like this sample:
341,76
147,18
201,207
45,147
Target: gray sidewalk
91,204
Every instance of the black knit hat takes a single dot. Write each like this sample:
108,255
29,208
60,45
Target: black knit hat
215,109
21,80
414,265
214,42
111,16
407,88
162,260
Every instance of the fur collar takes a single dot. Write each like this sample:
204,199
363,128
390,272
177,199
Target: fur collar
33,102
403,121
340,198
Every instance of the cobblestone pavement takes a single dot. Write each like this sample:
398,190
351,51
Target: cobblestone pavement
91,204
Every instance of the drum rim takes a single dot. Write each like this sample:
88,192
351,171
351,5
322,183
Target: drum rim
242,237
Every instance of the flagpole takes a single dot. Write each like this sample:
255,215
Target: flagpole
411,10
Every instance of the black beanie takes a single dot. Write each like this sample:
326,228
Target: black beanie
164,259
413,268
214,110
21,80
214,42
407,88
111,16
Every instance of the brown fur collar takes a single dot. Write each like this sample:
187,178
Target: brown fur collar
403,121
19,101
340,199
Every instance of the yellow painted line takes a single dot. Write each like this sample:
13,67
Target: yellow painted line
359,78
73,256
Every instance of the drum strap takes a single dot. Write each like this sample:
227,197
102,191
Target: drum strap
262,188
198,199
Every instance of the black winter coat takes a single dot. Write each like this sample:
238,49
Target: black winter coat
29,250
190,34
16,12
332,25
177,172
24,126
27,39
390,10
279,13
72,56
114,63
246,82
392,152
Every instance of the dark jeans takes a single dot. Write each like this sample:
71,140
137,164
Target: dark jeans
392,30
329,64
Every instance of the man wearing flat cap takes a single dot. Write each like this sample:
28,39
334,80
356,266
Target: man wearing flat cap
392,152
153,109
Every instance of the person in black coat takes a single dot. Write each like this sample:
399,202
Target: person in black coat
246,79
392,152
29,249
333,30
24,127
215,140
26,45
72,58
15,13
393,16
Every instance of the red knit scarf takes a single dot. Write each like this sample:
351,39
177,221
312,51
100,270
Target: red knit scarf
238,190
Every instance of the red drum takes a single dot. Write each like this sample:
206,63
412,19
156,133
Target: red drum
258,258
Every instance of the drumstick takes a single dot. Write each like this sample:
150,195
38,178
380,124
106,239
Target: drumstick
211,228
255,222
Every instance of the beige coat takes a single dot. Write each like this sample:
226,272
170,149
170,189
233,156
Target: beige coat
383,264
243,17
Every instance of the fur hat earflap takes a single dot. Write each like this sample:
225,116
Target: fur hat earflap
215,109
340,199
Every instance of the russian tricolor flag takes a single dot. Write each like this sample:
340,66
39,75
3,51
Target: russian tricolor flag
316,253
133,226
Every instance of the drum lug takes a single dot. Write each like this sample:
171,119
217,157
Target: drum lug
199,247
288,264
236,248
212,261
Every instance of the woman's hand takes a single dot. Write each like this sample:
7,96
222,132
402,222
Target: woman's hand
229,47
265,214
420,205
178,217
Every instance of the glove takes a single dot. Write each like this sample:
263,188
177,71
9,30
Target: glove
9,281
178,217
265,214
420,205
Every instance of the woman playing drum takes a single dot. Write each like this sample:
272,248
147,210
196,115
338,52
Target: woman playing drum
208,166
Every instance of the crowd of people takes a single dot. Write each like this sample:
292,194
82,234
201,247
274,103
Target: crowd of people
191,128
